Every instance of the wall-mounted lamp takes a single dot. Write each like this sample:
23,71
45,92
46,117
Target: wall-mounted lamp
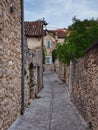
11,8
44,23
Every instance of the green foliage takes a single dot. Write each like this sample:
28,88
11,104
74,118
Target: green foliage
83,34
54,55
44,56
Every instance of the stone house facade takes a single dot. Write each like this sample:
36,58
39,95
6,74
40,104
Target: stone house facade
10,62
49,46
59,34
33,61
51,39
81,78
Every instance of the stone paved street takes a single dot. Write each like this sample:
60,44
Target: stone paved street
53,110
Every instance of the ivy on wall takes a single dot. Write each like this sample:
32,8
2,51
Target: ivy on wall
44,55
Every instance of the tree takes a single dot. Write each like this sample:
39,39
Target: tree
54,55
82,35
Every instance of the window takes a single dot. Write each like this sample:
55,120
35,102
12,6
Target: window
48,44
48,60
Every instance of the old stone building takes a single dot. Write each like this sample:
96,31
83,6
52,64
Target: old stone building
33,62
51,39
49,46
18,84
10,62
59,34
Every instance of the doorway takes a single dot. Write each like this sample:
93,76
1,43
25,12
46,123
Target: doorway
31,69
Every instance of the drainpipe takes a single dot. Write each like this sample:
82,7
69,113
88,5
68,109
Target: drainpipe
44,24
42,53
22,50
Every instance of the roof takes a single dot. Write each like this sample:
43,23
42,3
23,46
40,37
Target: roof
60,33
33,29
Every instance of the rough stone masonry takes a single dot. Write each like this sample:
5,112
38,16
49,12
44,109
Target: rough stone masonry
81,77
10,62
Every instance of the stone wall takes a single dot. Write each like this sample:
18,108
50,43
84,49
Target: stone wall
35,45
59,68
85,86
10,62
37,63
48,67
33,71
31,74
26,75
81,78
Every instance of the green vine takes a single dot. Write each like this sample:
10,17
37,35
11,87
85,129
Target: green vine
44,55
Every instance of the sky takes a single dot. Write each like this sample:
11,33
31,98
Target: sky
59,13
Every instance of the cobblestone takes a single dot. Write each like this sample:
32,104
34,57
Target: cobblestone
52,111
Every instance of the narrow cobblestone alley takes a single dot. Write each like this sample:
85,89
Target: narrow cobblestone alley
53,109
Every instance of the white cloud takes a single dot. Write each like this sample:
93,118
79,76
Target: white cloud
60,12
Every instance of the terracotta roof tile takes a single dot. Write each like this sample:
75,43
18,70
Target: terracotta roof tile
59,32
33,29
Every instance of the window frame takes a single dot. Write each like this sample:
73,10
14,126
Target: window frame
50,59
48,43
